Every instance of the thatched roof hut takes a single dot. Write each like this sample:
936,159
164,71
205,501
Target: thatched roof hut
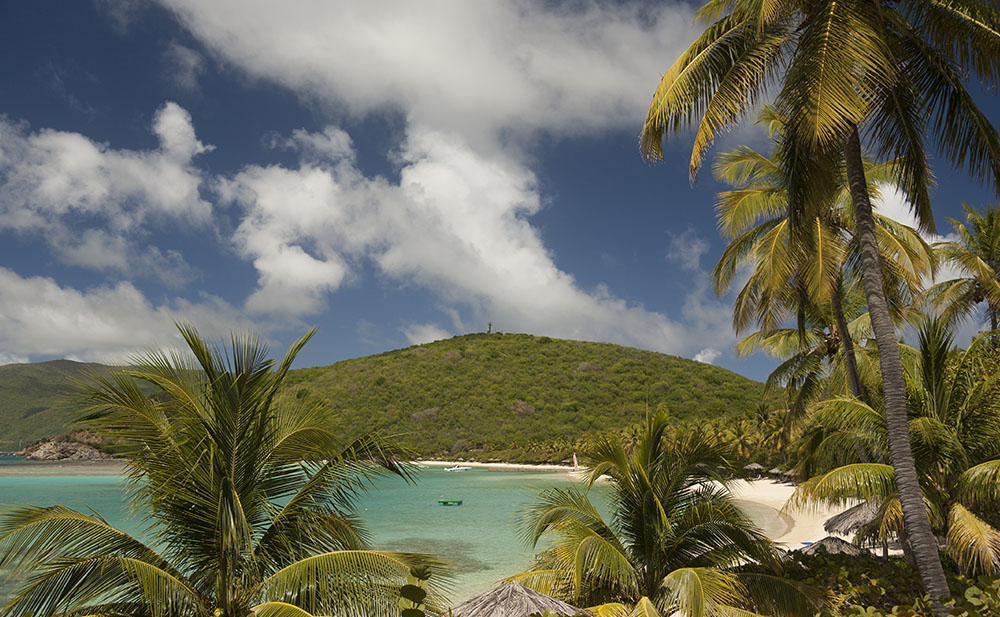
774,472
513,600
753,467
834,546
852,519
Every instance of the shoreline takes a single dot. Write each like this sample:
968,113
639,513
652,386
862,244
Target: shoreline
22,468
803,525
495,466
806,524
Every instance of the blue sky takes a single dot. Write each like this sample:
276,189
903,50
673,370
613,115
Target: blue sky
390,172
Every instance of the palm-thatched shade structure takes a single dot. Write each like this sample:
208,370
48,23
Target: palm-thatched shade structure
775,472
753,467
834,546
852,519
513,600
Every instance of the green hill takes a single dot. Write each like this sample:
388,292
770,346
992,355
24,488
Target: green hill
33,399
510,396
507,395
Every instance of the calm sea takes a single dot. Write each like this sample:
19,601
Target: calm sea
479,537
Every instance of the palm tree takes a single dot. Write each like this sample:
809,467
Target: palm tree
813,358
786,278
673,543
954,429
977,253
888,70
248,496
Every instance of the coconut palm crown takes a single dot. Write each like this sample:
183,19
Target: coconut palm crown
813,274
977,253
673,543
248,496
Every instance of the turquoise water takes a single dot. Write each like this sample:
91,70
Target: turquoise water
479,537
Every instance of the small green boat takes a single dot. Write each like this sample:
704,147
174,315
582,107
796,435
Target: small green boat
450,502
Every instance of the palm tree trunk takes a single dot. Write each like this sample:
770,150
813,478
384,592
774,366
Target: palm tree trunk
993,323
853,379
918,527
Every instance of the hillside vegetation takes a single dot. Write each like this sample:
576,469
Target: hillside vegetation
508,396
517,396
34,399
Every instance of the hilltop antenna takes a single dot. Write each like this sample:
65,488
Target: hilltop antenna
489,328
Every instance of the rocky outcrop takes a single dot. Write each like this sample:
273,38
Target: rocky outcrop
52,450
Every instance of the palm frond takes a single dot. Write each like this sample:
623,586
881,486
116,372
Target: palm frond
700,592
973,542
857,481
979,485
350,583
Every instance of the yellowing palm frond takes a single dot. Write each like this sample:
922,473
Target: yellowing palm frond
279,609
700,592
973,542
858,481
644,608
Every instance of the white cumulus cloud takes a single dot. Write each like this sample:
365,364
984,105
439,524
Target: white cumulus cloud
418,334
41,318
470,67
93,204
707,355
457,224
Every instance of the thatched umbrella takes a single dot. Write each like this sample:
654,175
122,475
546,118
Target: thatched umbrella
513,600
834,546
852,519
754,467
774,472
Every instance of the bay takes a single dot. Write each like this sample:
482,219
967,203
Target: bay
480,537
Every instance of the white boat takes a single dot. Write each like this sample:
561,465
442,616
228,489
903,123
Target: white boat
458,468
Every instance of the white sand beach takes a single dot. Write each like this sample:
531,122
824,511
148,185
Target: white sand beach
806,523
498,466
64,468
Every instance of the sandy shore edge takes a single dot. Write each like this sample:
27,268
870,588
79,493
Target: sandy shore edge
62,468
524,467
806,524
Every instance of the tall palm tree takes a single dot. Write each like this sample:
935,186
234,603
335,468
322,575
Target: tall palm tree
977,253
673,543
248,498
813,358
954,401
892,71
804,273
